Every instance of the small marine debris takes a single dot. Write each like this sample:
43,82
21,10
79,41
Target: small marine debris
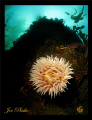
80,109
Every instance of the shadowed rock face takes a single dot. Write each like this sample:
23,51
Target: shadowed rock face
35,37
37,34
27,48
77,93
47,28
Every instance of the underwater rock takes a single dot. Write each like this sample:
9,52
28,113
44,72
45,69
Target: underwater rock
74,53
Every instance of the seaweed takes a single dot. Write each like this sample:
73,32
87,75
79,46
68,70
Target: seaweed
83,36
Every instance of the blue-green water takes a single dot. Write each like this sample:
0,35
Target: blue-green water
18,18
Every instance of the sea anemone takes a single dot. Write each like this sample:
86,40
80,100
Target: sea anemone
50,75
